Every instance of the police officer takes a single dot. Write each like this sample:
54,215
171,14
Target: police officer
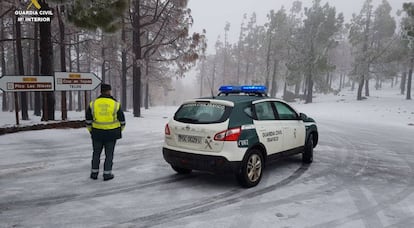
105,120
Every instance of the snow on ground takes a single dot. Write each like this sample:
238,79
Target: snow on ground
385,107
360,178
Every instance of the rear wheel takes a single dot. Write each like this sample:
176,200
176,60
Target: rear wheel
307,156
181,170
251,169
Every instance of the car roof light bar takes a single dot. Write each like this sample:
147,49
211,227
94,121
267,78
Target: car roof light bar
249,89
254,89
230,89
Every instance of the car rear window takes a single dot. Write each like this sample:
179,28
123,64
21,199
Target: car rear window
202,113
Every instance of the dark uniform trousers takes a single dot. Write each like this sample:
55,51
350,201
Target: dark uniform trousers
98,145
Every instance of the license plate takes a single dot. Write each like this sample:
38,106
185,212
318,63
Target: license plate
189,139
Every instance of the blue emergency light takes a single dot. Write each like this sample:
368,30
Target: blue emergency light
230,89
254,89
260,89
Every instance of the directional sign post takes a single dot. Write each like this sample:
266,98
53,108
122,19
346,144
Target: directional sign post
26,83
62,81
67,81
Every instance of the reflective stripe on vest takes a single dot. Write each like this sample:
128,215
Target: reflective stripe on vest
104,112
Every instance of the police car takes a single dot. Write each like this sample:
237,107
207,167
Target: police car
239,130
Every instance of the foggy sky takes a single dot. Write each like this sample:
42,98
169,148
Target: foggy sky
212,15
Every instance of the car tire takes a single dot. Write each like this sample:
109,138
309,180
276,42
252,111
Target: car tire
251,169
180,170
307,155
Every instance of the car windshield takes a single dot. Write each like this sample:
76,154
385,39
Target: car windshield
202,112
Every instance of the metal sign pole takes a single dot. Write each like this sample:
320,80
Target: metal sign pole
16,107
86,100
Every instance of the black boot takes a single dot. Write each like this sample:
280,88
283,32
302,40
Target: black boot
107,177
94,176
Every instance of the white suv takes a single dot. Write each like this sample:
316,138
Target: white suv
237,131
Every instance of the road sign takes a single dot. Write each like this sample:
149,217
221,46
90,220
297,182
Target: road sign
68,81
26,83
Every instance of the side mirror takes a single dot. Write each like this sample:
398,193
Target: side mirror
303,116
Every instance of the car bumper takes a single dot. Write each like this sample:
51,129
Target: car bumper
210,163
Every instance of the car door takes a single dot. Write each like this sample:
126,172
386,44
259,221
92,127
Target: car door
293,128
270,133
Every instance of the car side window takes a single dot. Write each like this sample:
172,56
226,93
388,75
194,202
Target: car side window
285,112
248,111
264,111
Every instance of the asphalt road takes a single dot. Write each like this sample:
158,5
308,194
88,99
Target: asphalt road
362,176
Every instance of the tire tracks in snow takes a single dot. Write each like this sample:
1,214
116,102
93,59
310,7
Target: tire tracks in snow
210,203
367,212
59,199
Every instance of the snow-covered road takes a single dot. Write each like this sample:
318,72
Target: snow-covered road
362,176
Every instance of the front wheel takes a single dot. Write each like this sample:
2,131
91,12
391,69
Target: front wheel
307,155
251,169
181,170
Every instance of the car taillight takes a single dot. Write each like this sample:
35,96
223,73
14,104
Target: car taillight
228,135
167,130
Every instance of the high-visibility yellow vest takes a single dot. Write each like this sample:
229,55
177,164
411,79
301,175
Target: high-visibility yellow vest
104,112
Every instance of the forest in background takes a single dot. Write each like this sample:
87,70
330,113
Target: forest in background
303,50
141,46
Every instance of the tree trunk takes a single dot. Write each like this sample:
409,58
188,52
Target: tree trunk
410,77
274,79
365,75
360,87
238,69
146,96
267,84
137,50
367,88
403,82
103,66
46,67
225,76
36,70
69,57
62,59
124,68
297,88
88,94
19,50
377,83
28,67
202,73
328,76
247,73
213,78
77,49
285,90
3,66
330,82
343,82
309,94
